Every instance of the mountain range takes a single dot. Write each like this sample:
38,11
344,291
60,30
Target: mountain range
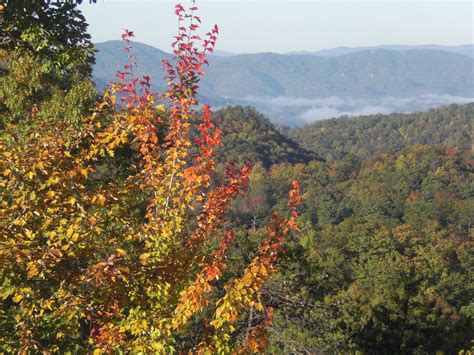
465,49
298,88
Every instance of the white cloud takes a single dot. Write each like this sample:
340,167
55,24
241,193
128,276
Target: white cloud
320,108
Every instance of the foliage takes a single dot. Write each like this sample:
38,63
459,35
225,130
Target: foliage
384,259
123,228
54,31
135,263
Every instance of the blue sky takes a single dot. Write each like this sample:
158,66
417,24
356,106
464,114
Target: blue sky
283,26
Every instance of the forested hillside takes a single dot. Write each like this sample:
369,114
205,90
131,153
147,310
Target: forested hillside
248,134
368,136
383,259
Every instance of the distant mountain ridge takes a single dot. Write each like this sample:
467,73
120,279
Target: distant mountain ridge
465,49
257,79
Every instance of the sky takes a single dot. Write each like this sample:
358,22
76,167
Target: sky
283,26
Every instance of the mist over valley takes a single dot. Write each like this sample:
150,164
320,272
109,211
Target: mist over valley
294,89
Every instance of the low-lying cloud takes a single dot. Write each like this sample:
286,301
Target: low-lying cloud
305,110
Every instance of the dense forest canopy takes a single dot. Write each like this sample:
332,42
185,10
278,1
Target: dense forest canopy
384,259
384,262
367,136
125,228
248,134
46,58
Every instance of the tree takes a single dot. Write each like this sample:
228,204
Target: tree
52,30
134,264
45,60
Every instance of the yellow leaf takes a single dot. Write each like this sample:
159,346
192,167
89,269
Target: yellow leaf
52,180
100,199
31,175
17,298
46,223
29,234
56,252
83,172
32,196
144,258
160,107
6,172
72,200
247,280
50,194
69,231
92,220
121,252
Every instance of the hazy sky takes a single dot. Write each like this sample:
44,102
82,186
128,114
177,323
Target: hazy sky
283,26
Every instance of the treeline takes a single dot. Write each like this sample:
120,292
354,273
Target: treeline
367,136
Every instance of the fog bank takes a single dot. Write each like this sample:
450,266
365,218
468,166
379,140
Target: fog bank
296,111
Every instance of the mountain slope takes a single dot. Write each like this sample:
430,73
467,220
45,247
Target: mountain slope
366,136
246,134
364,74
111,57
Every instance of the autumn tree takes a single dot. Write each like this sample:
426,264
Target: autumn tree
135,263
